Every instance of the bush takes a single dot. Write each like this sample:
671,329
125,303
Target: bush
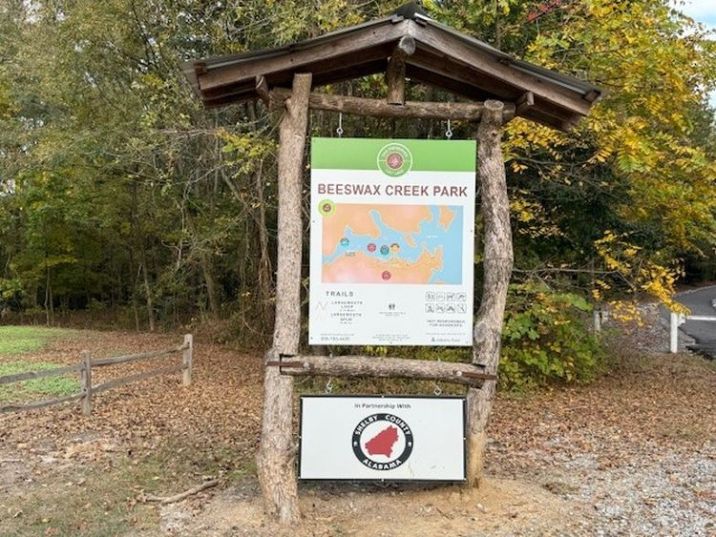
546,339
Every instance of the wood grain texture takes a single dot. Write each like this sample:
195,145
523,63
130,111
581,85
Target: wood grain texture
478,60
275,459
187,359
395,74
86,382
373,366
105,362
379,108
356,44
498,260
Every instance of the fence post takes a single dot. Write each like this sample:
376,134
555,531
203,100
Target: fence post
674,332
187,359
597,316
86,382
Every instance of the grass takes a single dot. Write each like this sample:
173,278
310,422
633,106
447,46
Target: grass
29,389
19,339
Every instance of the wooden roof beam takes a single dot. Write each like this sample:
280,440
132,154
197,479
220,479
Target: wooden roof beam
459,51
353,44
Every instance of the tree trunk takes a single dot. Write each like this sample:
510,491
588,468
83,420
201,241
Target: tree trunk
148,293
275,460
498,259
48,294
264,269
207,269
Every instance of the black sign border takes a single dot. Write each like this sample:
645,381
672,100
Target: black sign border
383,479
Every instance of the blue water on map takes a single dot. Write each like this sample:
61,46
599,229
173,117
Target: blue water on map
431,237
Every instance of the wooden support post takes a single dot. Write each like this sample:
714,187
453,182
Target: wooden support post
275,460
187,359
395,75
86,382
497,271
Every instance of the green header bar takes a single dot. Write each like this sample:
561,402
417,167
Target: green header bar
371,154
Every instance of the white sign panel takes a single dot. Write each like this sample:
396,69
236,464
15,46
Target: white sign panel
383,438
392,240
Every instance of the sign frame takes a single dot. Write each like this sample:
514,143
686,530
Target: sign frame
463,399
392,280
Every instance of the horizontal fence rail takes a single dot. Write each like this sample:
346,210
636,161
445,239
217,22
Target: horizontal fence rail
31,375
85,367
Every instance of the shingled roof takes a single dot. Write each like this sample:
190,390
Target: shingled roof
444,58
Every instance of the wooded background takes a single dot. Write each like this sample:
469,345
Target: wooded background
121,195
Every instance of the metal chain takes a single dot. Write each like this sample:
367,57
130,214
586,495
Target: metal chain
339,130
448,132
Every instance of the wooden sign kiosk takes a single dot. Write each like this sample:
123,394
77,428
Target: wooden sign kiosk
499,88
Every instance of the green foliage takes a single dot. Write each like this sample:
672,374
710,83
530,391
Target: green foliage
546,339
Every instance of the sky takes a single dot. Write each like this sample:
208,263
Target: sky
703,11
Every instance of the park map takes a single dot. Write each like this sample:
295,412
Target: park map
408,244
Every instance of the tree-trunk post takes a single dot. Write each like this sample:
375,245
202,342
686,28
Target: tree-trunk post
187,358
498,258
395,74
275,460
86,382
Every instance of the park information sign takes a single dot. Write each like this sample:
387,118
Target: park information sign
385,438
392,227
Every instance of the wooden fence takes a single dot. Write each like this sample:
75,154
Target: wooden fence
87,364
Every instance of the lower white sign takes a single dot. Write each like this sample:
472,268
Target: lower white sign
383,438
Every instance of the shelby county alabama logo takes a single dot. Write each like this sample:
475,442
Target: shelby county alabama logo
382,442
395,160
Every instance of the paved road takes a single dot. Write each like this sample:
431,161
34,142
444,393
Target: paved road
700,302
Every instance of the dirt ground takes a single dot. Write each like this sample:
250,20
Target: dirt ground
632,454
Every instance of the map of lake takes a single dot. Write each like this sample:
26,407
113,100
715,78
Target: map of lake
412,244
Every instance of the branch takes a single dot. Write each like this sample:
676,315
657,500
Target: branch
164,500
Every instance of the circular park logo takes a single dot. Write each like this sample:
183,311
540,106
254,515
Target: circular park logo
382,442
395,160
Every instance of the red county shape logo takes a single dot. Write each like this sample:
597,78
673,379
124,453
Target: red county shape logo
382,442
